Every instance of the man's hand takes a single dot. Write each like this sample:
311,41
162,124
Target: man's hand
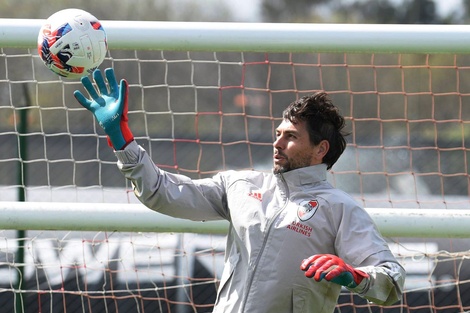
332,268
109,106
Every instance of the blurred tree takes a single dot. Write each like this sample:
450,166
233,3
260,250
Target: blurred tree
382,11
390,12
365,11
140,10
421,12
285,10
466,9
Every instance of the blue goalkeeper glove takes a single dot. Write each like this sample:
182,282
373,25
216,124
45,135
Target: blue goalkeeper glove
332,268
109,106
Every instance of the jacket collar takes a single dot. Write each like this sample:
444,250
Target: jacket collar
306,175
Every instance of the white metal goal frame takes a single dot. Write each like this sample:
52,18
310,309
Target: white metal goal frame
255,37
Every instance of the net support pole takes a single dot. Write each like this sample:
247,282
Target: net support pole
433,223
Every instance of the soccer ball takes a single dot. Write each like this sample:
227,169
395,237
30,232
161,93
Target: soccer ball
72,43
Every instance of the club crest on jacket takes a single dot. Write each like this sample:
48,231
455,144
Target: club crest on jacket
307,209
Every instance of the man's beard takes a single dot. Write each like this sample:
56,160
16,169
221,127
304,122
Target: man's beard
301,161
277,169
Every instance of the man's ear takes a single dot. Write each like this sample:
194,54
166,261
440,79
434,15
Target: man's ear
322,149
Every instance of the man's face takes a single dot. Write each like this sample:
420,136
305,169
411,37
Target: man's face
292,148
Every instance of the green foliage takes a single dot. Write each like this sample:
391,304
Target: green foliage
142,10
365,11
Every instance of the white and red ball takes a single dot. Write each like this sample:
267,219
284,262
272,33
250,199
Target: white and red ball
72,43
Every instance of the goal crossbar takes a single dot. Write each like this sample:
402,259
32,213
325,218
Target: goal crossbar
438,223
262,37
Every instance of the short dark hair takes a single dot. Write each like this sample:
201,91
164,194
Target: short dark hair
323,121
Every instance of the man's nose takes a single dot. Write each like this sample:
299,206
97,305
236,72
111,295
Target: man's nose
278,143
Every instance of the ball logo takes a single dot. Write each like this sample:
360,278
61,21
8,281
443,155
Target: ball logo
307,209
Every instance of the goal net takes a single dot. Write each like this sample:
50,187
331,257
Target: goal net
199,104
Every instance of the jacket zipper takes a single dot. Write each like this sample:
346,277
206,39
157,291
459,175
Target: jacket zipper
263,246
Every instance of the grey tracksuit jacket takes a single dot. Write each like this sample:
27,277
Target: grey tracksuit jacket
276,221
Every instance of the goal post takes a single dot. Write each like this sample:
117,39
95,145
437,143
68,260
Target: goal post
207,97
413,223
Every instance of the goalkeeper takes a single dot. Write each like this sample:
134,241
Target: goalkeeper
294,241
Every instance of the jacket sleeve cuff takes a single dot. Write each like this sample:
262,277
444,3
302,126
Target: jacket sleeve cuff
129,155
384,285
363,287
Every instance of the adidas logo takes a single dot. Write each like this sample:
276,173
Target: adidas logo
256,195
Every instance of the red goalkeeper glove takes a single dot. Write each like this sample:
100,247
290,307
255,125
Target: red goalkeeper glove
333,269
109,106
